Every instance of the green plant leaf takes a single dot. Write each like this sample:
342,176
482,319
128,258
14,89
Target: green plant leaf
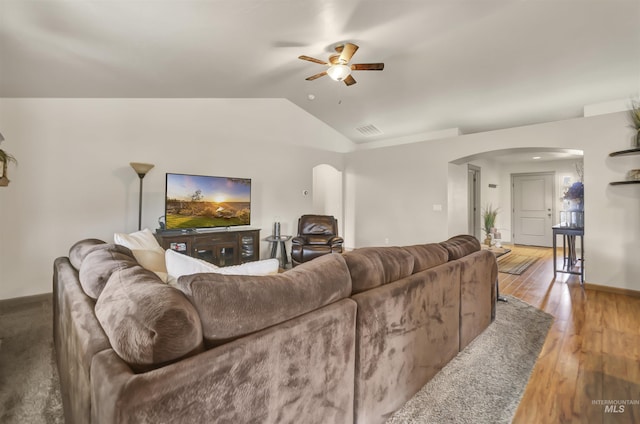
489,215
6,157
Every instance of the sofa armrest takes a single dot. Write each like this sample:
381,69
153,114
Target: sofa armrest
336,240
478,276
77,336
298,240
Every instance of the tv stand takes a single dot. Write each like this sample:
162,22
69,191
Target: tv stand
221,247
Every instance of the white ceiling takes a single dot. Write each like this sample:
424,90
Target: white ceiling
475,65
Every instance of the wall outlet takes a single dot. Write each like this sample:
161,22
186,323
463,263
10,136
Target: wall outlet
386,240
437,208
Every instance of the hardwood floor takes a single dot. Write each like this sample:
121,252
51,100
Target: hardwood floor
592,351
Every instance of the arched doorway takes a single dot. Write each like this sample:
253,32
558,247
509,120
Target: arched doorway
497,188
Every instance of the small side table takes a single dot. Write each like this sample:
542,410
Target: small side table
570,259
279,240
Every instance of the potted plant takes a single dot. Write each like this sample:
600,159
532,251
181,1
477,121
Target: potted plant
634,114
575,196
5,158
489,219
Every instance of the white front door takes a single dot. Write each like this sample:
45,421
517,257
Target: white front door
532,200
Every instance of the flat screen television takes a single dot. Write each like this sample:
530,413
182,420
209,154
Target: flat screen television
200,201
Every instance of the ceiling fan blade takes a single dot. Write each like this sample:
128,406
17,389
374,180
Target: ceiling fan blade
316,76
313,59
367,66
346,52
349,80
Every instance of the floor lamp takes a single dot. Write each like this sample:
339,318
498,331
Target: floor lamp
141,169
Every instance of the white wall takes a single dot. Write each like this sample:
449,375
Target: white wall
391,193
458,199
391,190
327,193
74,181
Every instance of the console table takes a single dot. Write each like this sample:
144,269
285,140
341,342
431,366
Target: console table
220,247
569,253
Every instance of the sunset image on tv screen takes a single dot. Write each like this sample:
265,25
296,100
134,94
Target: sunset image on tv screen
197,201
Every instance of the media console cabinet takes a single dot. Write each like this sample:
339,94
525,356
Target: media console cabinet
220,247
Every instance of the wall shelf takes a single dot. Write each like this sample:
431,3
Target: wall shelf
625,182
634,151
628,152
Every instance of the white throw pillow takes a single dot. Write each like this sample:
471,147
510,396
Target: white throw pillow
179,265
146,250
143,239
263,267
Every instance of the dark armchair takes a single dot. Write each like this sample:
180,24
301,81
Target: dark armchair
317,236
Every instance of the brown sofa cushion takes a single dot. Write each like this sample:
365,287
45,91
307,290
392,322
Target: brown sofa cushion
148,323
79,251
99,264
406,332
375,266
460,246
231,306
427,256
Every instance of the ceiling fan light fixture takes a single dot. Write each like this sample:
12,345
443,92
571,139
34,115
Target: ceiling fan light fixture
339,72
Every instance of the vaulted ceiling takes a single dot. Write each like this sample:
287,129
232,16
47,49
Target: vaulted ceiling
475,65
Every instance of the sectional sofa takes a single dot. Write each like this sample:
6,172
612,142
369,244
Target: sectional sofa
345,338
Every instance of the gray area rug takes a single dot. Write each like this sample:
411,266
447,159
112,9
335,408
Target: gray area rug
485,382
29,385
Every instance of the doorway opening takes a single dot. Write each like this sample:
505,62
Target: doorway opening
475,227
327,193
493,187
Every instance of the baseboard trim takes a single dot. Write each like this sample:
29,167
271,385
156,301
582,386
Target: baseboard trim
614,290
16,302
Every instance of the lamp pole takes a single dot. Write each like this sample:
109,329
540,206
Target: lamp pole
141,169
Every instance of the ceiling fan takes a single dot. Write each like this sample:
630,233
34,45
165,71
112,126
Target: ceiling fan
339,68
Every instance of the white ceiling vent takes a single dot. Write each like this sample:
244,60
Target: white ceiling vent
369,130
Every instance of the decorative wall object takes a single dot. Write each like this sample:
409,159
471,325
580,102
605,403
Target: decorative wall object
5,158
